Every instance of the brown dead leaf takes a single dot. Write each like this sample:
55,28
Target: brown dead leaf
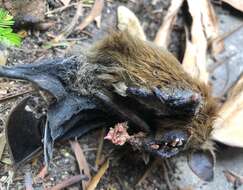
127,20
228,125
237,4
94,13
198,44
65,2
211,26
95,180
189,62
2,144
82,162
163,35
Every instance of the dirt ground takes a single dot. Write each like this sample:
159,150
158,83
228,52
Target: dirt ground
127,169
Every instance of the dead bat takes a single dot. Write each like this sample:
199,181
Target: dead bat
134,81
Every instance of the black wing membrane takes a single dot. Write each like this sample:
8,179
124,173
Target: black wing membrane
70,115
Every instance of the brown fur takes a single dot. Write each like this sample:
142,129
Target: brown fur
127,59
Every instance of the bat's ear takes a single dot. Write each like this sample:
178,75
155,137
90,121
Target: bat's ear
202,164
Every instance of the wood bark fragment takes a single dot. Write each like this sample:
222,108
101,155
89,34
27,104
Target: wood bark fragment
162,37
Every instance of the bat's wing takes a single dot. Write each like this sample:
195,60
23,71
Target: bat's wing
69,115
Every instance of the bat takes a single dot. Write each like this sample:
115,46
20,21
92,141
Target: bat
137,82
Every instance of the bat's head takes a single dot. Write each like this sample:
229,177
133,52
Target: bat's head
193,137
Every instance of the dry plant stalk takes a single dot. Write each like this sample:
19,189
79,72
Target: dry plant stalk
95,180
162,37
228,126
237,4
127,20
100,148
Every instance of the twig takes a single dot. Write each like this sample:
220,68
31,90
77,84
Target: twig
95,180
147,172
60,9
11,96
166,176
100,147
68,29
226,34
95,11
68,182
44,171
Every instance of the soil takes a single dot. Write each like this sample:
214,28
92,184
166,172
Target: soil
127,167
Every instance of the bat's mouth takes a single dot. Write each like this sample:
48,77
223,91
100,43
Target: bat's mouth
169,145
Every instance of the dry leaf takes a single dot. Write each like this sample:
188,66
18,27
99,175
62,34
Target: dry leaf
95,180
2,144
65,2
198,42
163,34
82,162
211,26
94,13
237,4
189,62
127,20
228,125
3,56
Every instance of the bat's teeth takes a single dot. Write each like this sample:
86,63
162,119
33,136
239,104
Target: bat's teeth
180,143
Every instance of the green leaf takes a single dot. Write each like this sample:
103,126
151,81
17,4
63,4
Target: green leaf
7,36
